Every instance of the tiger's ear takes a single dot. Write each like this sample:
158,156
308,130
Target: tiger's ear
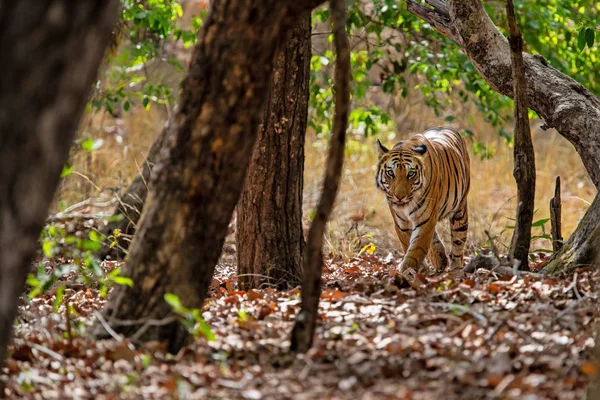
381,149
420,149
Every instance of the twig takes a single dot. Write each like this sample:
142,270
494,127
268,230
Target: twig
495,330
47,351
570,308
110,330
573,286
493,245
68,318
475,314
152,322
75,215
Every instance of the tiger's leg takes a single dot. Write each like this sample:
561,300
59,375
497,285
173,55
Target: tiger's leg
418,247
404,236
437,254
459,224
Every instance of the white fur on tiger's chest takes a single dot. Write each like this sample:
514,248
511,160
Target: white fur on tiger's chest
401,217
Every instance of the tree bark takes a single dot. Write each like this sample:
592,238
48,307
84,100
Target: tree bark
51,51
306,321
524,156
198,180
560,100
269,236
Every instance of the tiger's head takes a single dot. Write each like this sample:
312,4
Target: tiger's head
401,170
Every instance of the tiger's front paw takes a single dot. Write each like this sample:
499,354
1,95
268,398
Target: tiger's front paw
409,264
456,263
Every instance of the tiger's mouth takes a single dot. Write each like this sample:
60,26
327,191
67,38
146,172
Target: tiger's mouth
400,202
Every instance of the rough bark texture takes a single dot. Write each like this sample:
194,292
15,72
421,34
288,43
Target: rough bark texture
131,204
269,235
524,156
306,321
583,247
50,51
560,100
198,180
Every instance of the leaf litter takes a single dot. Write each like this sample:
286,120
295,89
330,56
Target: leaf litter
460,336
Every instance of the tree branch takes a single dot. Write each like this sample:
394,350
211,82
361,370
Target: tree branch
561,101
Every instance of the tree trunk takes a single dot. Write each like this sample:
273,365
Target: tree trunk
269,234
198,180
130,206
306,321
524,164
560,100
51,51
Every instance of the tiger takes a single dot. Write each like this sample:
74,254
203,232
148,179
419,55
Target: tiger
426,179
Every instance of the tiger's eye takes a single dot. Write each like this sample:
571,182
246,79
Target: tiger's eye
411,174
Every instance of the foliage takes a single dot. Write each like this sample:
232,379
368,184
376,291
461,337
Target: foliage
190,318
77,255
542,234
411,56
147,32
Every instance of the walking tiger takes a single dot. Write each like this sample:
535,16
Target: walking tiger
426,179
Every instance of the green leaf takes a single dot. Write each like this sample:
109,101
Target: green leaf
60,292
126,106
66,171
90,145
173,300
581,39
540,222
589,37
122,281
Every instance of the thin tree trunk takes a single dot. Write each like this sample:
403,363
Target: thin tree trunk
556,218
130,206
524,169
51,51
560,100
306,321
198,181
269,235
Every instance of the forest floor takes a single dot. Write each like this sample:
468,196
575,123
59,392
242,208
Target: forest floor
474,336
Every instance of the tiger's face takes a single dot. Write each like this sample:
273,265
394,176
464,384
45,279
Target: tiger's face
400,172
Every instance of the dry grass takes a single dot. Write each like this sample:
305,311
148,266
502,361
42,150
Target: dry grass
361,210
492,199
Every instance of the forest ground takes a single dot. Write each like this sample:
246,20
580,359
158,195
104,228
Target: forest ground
474,336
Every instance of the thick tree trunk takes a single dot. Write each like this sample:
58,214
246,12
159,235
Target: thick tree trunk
51,51
130,206
269,235
524,164
306,321
197,183
583,247
560,100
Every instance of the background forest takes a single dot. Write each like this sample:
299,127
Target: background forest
497,333
405,78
